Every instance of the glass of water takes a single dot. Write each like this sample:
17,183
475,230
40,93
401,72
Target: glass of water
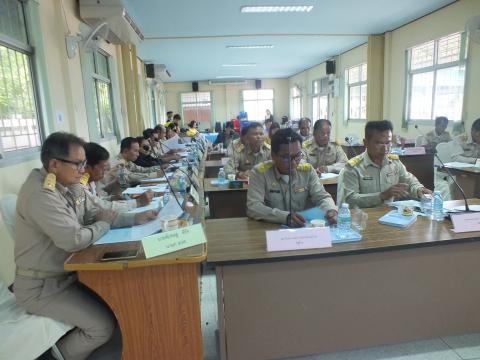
426,204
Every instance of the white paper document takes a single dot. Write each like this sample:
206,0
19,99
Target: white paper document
141,189
459,165
133,233
328,176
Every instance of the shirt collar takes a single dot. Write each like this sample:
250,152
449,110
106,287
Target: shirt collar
369,161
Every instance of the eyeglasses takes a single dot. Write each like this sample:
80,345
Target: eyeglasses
297,158
80,165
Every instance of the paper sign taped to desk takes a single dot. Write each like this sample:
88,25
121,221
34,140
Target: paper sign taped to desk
171,241
299,239
465,222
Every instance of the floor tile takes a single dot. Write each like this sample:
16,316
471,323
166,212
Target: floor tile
467,346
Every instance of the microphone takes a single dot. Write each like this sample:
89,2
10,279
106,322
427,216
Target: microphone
467,209
348,140
289,221
171,188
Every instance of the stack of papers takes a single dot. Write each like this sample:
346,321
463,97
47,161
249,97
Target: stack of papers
328,176
141,189
459,165
393,218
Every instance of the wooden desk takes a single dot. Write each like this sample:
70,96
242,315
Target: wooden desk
393,286
419,165
216,155
468,179
231,203
212,167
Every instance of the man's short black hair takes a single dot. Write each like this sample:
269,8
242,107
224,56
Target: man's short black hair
441,119
177,117
127,143
319,123
284,136
57,145
172,126
192,123
377,126
476,125
95,153
148,133
251,125
169,112
304,119
159,128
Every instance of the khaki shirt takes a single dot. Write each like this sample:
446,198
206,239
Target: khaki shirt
471,152
133,174
50,225
243,159
361,181
332,156
268,196
433,139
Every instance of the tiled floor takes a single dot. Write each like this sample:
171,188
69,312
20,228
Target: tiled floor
462,347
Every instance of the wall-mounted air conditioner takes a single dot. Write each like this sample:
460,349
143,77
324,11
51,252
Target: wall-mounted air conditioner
227,82
119,28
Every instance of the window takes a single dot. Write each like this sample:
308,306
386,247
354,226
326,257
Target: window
256,102
356,91
103,95
436,78
320,105
295,103
197,106
153,107
19,114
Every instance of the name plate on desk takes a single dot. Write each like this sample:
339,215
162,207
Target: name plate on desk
466,222
298,239
171,241
417,150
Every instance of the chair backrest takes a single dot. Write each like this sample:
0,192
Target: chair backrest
8,204
445,151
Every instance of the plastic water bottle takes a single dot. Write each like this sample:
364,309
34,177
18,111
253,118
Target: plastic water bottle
182,185
344,221
166,197
437,206
221,176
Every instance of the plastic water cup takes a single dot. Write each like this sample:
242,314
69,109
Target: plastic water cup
359,219
317,222
168,222
231,177
426,205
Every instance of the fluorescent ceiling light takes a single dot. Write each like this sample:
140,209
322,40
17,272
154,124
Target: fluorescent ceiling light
239,65
276,9
229,76
249,46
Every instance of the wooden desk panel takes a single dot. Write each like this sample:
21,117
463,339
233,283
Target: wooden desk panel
216,155
468,179
212,167
334,302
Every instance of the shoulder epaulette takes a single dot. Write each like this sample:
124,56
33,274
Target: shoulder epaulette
264,166
49,182
84,179
307,143
355,160
267,145
393,156
304,167
239,147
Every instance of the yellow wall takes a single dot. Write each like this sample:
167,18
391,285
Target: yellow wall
227,99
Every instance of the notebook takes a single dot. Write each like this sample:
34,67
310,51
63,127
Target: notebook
393,218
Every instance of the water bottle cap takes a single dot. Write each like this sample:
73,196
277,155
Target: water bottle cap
344,205
437,192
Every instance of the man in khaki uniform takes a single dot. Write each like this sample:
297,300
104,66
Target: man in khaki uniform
268,195
437,135
304,125
252,152
54,219
322,154
124,172
375,176
471,150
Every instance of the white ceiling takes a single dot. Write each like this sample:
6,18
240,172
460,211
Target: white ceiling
190,36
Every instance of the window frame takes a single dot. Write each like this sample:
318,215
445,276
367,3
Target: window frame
348,86
318,94
256,100
462,61
35,62
212,120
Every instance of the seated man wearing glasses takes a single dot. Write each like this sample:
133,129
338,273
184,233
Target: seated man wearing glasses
268,191
53,219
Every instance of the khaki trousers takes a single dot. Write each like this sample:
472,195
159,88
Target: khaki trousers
74,305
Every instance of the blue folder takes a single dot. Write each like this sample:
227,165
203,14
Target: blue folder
394,218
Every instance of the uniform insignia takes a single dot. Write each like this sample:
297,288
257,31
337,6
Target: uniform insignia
299,190
367,178
267,145
275,191
354,161
49,182
84,179
393,156
307,143
304,167
264,166
239,147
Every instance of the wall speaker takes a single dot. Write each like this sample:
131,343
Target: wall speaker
330,65
258,84
195,86
150,70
